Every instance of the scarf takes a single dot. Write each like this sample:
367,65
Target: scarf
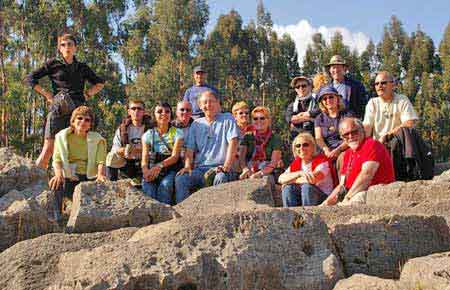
299,99
259,155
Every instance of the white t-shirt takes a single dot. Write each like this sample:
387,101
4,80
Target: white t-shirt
384,116
326,184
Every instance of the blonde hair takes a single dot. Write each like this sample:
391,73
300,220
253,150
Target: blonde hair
260,109
319,80
341,105
308,137
239,106
85,112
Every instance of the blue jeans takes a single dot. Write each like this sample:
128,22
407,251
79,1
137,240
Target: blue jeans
160,189
302,194
185,183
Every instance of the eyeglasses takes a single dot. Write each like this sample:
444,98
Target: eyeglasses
383,83
243,113
301,86
68,44
259,118
330,97
88,120
184,110
304,145
163,111
136,108
354,132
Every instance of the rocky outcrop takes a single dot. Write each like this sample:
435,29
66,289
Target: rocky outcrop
233,196
18,173
113,205
380,245
22,220
364,282
32,264
260,249
430,272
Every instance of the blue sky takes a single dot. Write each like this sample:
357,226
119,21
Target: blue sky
359,19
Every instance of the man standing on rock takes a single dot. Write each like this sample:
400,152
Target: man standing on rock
126,152
387,114
213,140
193,93
352,91
366,162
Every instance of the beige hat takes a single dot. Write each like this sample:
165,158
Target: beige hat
336,59
296,79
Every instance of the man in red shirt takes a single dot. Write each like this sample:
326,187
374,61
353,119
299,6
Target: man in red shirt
366,162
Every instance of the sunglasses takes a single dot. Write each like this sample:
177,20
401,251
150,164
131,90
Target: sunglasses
330,97
136,108
301,86
259,118
354,132
163,111
185,110
304,145
88,120
243,113
68,44
382,83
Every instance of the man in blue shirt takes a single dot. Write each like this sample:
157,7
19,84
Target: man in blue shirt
214,141
193,93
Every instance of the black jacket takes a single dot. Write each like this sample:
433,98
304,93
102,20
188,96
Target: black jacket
358,97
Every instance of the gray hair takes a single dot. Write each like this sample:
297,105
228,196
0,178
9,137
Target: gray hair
355,121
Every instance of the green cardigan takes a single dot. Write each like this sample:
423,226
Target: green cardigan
61,152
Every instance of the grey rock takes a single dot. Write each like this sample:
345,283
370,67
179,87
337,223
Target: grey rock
18,173
229,197
22,220
380,245
364,282
32,264
431,272
259,249
113,205
440,168
408,194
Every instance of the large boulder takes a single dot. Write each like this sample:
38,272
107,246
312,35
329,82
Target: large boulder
113,205
364,282
408,194
233,196
430,272
18,173
21,220
379,245
32,264
258,249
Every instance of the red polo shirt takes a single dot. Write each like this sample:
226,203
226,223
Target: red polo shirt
369,150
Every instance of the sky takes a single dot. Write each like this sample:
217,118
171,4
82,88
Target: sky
358,20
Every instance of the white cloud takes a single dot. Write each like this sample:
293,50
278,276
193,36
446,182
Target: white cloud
302,32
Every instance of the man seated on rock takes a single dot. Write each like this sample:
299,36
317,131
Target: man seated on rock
214,140
366,162
126,152
388,113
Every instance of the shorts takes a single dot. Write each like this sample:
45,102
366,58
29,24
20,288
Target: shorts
54,124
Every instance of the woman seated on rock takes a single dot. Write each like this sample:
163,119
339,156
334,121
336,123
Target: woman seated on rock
79,155
326,124
161,147
260,151
310,178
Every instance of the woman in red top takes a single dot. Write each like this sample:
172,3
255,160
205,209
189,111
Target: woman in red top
310,178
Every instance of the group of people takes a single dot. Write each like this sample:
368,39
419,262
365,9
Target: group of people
336,156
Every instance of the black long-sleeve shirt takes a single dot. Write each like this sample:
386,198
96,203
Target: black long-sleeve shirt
65,77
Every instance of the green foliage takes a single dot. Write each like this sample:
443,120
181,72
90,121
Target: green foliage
149,53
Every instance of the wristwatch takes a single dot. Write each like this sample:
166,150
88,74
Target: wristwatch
160,165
